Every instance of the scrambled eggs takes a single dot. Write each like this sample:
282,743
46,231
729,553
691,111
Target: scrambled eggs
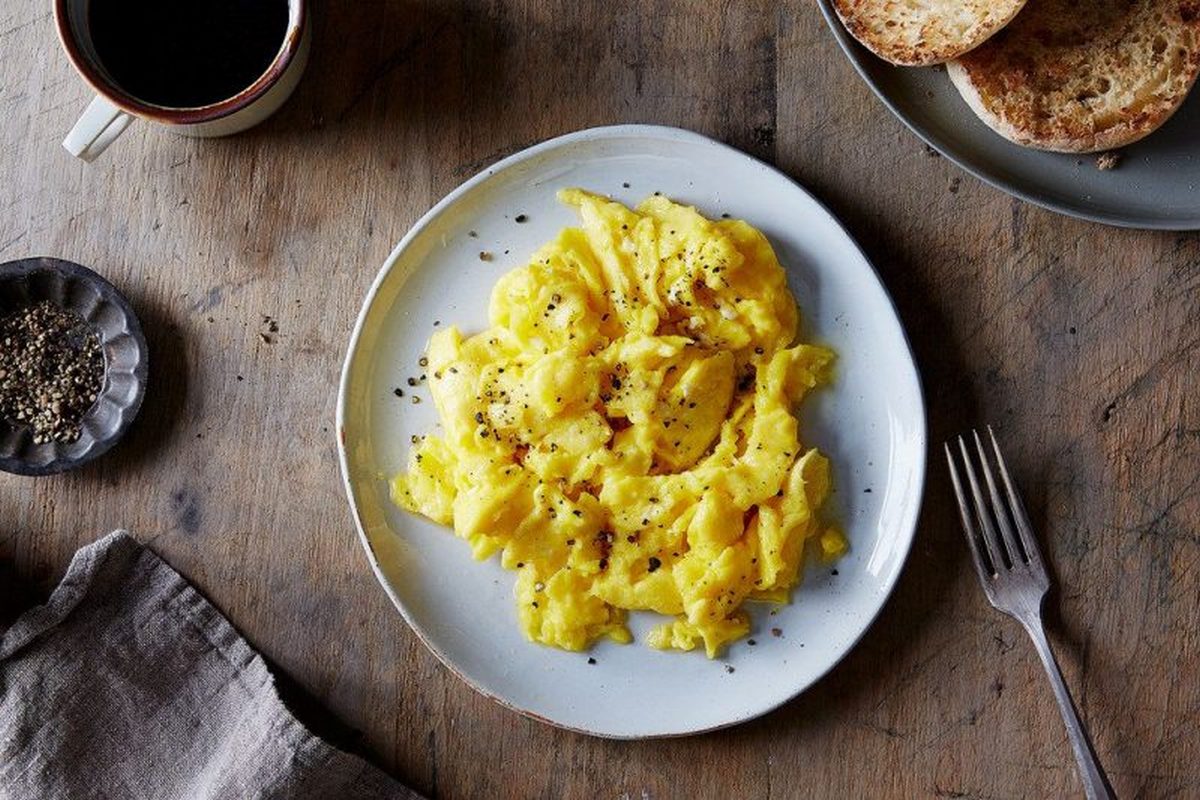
624,432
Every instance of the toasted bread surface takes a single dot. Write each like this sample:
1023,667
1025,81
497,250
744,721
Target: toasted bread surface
921,32
1082,79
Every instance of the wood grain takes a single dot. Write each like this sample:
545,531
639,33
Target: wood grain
1079,342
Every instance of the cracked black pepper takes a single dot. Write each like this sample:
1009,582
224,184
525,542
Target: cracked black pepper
51,371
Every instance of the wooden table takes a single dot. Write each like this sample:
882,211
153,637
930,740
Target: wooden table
1079,342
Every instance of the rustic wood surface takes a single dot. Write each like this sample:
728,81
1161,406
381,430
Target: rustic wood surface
1080,342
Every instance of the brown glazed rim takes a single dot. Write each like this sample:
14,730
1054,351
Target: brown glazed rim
182,116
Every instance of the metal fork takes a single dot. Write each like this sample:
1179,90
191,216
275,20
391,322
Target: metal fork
1014,578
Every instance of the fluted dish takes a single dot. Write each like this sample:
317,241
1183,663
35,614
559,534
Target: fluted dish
78,289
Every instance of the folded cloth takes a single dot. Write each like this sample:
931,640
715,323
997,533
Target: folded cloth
128,684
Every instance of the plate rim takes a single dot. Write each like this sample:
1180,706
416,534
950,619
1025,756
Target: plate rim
855,54
907,530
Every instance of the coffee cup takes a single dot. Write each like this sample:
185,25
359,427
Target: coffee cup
201,68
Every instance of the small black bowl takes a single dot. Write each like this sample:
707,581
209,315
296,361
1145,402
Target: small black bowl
76,288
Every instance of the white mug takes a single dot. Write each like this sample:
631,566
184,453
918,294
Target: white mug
110,113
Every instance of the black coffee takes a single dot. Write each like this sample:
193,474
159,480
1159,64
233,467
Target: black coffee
186,53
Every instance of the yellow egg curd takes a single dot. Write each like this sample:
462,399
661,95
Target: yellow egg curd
625,434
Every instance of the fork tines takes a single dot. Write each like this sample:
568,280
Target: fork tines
998,532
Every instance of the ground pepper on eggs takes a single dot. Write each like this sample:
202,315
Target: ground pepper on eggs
624,433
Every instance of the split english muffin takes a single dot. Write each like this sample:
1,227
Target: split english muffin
916,33
1079,80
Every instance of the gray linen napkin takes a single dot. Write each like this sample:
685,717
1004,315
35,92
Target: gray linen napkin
128,684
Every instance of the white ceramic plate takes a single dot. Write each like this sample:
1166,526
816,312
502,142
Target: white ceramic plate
871,422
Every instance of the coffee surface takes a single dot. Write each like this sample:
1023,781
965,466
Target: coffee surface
186,54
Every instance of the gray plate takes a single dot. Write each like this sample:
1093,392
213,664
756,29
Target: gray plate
1156,185
78,289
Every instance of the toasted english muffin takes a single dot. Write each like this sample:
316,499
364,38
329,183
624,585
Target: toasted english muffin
1080,79
917,33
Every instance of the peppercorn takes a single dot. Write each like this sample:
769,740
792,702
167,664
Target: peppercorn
51,371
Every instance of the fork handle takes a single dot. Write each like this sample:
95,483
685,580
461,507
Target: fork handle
1095,782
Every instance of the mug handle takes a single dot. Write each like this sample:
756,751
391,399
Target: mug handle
99,127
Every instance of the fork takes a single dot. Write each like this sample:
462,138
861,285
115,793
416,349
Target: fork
1015,581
